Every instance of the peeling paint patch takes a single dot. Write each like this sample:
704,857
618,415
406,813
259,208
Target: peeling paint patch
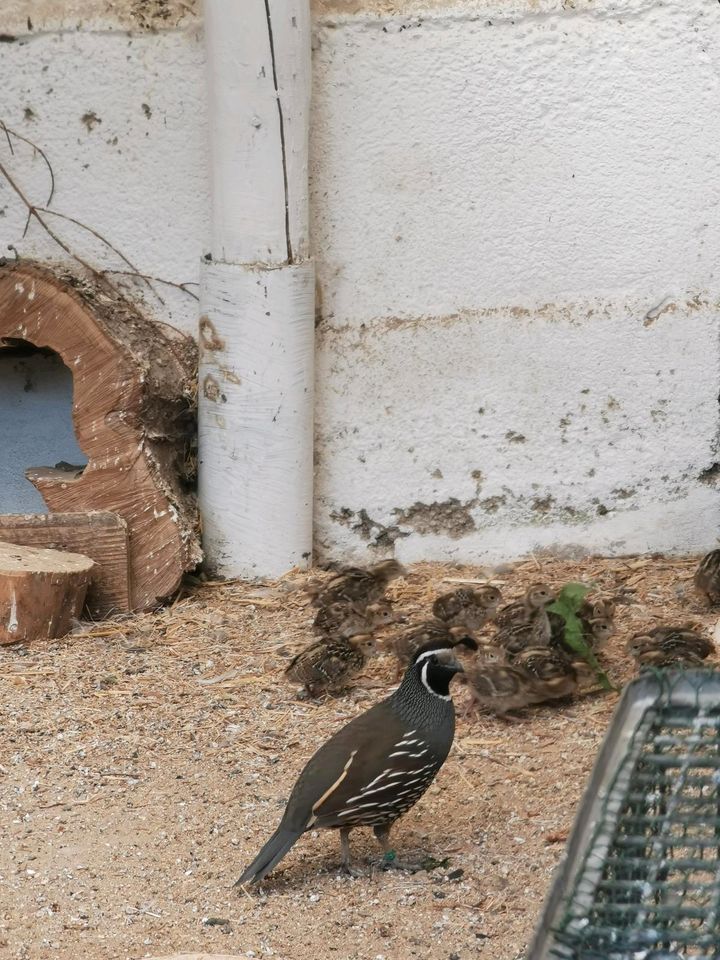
380,536
90,119
451,517
711,475
493,504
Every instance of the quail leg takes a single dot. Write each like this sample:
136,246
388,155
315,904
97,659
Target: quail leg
345,858
389,860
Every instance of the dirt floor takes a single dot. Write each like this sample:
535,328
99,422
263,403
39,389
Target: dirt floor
144,762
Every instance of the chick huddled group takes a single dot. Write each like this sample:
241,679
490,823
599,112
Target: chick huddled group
515,655
528,661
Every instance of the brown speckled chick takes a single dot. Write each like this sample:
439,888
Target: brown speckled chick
536,599
328,664
339,621
467,608
707,577
356,586
536,675
670,646
596,608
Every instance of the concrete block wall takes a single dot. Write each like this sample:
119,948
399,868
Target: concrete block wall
515,218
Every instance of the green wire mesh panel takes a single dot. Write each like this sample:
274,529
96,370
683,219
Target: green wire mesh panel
641,875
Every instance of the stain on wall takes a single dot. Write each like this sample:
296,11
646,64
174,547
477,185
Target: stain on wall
22,17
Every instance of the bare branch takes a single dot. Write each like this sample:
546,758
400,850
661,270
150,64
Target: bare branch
167,283
18,136
40,213
83,226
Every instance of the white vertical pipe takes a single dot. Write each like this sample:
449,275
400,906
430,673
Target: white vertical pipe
257,302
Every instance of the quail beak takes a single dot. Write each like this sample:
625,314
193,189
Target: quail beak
457,666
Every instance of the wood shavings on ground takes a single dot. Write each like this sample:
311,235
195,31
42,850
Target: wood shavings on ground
144,761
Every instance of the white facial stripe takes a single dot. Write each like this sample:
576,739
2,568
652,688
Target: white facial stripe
432,653
423,677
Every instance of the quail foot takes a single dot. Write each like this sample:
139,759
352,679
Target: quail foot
374,769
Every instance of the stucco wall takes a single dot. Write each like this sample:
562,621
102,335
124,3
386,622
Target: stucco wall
515,217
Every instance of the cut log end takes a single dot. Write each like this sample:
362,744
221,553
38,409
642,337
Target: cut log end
41,591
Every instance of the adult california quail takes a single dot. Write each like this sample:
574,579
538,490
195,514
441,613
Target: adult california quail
328,664
375,768
356,585
467,608
707,577
407,643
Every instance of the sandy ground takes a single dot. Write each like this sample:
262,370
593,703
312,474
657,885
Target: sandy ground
143,763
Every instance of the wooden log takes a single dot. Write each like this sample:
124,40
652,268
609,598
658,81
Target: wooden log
41,591
101,536
134,393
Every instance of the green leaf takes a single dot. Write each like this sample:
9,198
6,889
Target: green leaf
568,602
571,597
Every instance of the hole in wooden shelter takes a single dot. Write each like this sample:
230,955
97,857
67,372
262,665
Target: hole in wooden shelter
36,427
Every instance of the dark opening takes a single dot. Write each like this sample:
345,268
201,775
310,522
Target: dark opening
36,428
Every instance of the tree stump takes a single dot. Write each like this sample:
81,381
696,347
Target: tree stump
41,591
134,393
100,536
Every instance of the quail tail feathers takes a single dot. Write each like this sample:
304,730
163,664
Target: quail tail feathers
270,855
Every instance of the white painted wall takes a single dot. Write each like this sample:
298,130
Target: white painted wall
515,210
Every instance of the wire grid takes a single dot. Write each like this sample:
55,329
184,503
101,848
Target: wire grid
647,883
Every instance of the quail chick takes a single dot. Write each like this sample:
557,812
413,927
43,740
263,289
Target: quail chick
536,598
707,577
530,610
537,674
407,643
356,585
670,646
341,622
552,674
521,636
328,664
596,633
497,686
375,768
467,608
595,608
